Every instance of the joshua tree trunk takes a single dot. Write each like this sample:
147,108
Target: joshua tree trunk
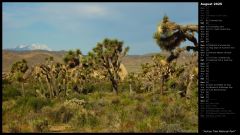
162,85
55,88
42,88
23,91
49,89
65,87
115,85
130,88
113,75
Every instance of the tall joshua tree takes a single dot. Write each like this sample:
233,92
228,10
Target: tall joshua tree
109,55
170,35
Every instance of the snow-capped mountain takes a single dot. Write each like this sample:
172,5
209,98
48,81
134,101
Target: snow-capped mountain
31,47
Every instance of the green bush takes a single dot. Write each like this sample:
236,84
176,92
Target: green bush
37,103
10,92
124,86
88,88
171,84
61,114
143,126
127,101
142,108
5,82
33,102
103,86
92,121
40,125
82,120
154,110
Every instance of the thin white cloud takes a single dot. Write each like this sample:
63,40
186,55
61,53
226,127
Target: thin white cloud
65,16
94,11
70,11
19,18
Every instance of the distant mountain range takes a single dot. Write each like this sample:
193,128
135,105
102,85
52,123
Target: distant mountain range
132,62
30,47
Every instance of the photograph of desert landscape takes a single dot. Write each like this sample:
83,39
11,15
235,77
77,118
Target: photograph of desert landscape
99,67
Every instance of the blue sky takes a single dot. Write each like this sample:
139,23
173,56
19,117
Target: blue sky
64,26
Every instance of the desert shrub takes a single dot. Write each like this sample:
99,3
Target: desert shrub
116,101
90,105
36,103
40,125
171,84
10,92
173,113
127,101
92,120
88,88
101,103
74,103
103,86
82,120
190,122
139,97
170,128
82,96
176,115
33,103
138,87
143,126
7,106
142,108
61,114
72,95
5,82
96,105
21,106
66,116
124,114
30,89
124,86
97,95
154,110
14,127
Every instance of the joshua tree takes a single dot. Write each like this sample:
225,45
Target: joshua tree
53,74
170,35
108,55
73,59
17,71
19,66
155,73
